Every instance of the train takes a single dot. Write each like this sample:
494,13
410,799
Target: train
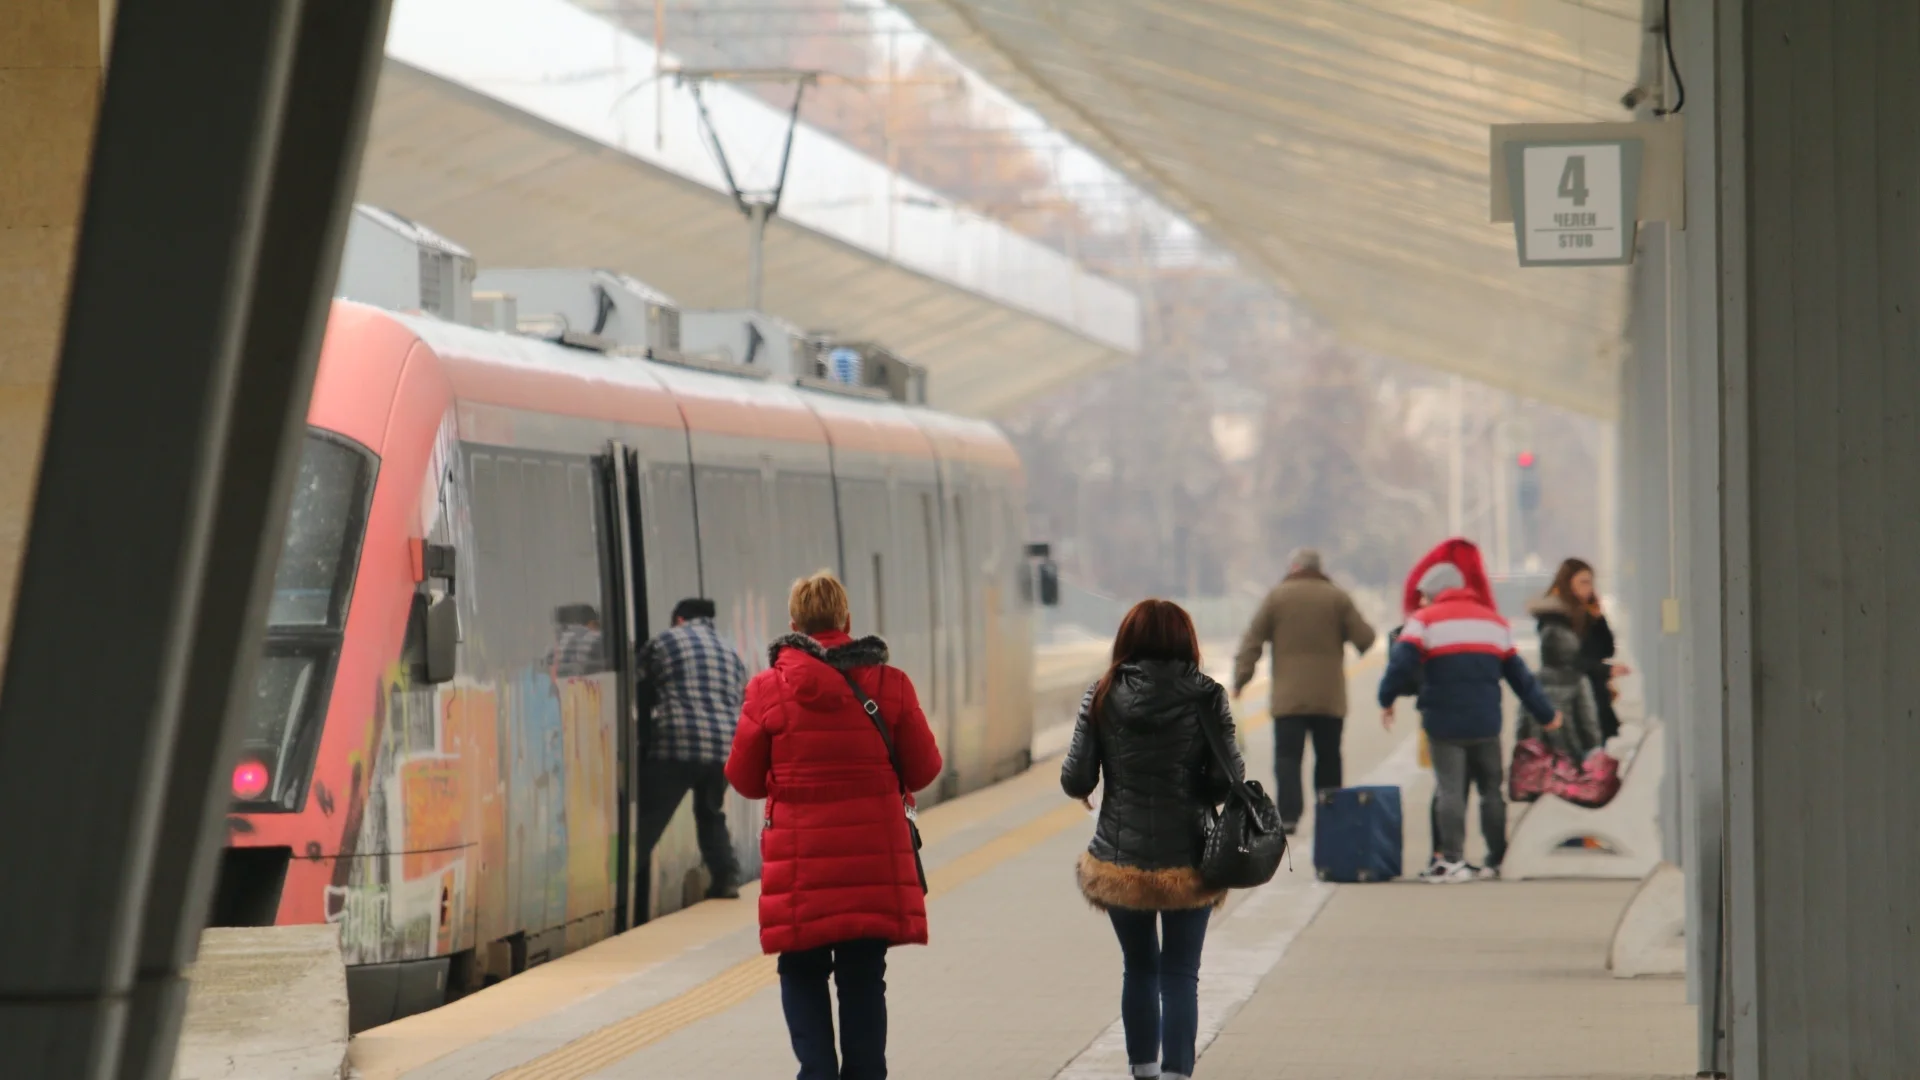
418,771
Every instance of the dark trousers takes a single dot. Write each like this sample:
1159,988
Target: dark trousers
1603,699
859,970
1160,989
1289,753
1457,765
662,785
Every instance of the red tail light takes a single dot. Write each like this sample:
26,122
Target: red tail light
249,780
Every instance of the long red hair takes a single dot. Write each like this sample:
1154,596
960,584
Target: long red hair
1153,630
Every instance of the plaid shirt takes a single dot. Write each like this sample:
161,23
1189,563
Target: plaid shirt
579,651
698,682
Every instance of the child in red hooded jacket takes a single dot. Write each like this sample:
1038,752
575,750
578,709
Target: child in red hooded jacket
1452,654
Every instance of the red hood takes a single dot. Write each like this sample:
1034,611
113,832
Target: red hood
1465,557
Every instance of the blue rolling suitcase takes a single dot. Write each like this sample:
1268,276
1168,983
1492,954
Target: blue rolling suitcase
1356,834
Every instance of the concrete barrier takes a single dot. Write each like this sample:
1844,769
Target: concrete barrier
266,1003
1628,828
1651,936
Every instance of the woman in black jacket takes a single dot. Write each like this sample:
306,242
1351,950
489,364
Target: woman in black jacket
1140,728
1573,586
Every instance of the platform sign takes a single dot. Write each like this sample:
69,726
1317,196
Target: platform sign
1577,200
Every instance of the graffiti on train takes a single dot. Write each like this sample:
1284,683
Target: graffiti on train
487,810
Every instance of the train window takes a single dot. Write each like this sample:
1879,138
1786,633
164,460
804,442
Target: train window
996,532
963,555
278,714
313,577
538,595
733,532
485,503
509,571
672,539
306,617
931,534
580,512
807,528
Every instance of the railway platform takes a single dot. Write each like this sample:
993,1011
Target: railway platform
1301,980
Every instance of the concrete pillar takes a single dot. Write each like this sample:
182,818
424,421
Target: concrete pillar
50,66
1815,125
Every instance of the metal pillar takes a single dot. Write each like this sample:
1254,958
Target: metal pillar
228,139
1697,377
1816,123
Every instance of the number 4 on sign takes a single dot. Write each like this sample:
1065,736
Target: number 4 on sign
1573,179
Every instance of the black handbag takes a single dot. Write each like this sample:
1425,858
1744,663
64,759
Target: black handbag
1244,843
872,710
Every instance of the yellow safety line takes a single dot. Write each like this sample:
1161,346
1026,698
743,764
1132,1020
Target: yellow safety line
615,1042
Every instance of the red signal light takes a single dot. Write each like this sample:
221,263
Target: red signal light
249,780
1526,459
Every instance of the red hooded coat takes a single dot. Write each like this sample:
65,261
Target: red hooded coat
1465,557
836,856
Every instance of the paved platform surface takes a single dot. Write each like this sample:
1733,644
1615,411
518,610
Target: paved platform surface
1300,979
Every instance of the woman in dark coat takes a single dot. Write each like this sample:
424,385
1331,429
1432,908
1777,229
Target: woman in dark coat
838,880
1140,729
1573,586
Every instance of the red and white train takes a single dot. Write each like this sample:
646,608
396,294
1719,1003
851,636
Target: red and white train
418,772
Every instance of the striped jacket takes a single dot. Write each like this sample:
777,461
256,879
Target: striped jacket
1453,654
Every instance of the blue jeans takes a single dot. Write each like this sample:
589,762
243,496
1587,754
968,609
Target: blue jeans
859,970
1160,992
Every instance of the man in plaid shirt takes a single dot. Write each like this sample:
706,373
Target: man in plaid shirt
578,647
696,683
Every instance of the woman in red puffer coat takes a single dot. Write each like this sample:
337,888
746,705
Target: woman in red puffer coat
838,880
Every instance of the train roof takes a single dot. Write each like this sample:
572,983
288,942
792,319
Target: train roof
517,371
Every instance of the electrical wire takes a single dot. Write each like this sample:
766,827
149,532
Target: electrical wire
1679,85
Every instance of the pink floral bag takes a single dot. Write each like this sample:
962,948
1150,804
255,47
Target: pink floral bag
1595,783
1539,770
1531,775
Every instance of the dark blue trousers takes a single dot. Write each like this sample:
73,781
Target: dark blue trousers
1160,990
859,972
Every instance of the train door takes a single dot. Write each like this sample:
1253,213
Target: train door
624,557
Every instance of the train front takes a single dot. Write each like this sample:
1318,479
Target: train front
341,724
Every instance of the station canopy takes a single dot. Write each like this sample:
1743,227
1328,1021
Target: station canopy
1341,146
536,134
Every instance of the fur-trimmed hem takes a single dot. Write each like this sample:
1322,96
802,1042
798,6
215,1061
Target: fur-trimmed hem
1110,885
860,652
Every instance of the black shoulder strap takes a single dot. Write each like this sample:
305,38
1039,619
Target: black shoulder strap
1216,739
872,710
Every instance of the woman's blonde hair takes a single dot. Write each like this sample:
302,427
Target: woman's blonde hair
818,603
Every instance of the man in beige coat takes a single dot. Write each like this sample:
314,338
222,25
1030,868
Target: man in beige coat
1308,622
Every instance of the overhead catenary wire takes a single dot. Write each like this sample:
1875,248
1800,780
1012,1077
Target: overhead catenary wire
1673,65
